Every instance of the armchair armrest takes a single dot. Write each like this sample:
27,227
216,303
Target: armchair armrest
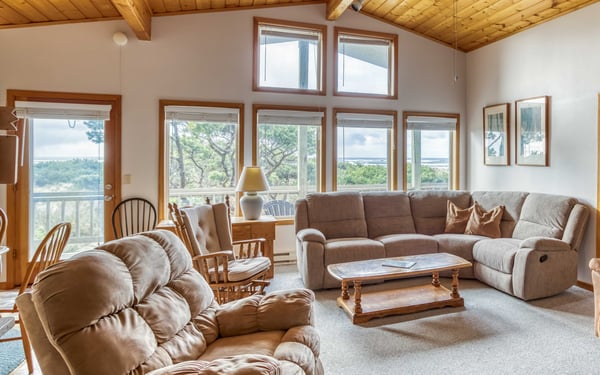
251,248
311,234
207,264
544,244
278,310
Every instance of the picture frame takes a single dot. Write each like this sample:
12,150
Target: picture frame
531,131
496,134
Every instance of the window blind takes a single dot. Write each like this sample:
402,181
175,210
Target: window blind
364,120
284,117
430,123
62,111
202,114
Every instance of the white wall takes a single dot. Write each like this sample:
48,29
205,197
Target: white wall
561,59
205,57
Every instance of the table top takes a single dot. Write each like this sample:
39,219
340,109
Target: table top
379,269
262,219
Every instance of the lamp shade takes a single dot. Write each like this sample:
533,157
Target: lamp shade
252,180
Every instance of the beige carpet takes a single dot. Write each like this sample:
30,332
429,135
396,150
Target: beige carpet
493,333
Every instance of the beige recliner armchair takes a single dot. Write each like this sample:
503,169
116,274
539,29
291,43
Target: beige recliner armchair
137,306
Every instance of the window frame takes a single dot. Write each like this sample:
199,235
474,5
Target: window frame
322,147
163,175
454,173
321,74
393,177
392,71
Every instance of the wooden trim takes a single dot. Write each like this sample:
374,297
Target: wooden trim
322,68
393,184
322,158
598,184
163,182
17,195
584,285
455,176
392,76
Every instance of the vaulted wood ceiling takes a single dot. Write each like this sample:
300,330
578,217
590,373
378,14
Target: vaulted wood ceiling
464,24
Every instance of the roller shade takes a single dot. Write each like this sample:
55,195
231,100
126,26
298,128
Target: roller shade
283,117
62,111
202,114
364,120
430,123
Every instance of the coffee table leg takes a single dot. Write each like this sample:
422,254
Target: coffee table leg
357,297
436,279
455,293
345,290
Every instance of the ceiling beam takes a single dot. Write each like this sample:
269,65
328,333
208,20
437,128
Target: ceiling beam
138,16
335,8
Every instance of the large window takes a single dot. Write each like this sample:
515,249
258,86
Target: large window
201,151
365,154
288,146
365,63
431,152
288,56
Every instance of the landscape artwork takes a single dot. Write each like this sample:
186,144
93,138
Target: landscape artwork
531,131
496,134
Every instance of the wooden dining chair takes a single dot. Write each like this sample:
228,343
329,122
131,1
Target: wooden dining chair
47,253
133,215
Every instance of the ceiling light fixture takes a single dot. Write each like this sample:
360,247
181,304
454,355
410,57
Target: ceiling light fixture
455,52
120,38
357,5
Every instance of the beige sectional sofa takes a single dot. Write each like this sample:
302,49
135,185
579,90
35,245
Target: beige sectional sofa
536,255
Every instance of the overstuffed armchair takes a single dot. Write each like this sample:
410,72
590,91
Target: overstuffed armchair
232,269
137,306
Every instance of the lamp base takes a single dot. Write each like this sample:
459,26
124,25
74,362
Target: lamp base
251,205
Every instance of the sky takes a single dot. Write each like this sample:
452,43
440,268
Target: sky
54,139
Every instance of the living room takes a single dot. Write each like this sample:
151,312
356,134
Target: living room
554,59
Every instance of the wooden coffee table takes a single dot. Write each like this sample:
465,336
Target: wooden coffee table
365,306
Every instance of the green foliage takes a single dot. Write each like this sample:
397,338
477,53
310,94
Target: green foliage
95,131
360,174
64,175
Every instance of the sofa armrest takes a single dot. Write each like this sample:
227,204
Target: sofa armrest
240,364
544,244
311,234
278,310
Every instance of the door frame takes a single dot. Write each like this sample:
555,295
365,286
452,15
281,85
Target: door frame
17,199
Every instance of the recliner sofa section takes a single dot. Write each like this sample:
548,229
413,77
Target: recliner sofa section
535,257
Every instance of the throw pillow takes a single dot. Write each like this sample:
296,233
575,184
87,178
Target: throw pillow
485,223
457,218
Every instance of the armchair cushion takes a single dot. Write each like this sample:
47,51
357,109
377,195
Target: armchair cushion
243,269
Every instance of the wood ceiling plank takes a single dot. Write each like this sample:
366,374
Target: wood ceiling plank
445,20
157,6
68,9
26,10
217,4
232,4
187,5
335,8
107,8
137,15
88,9
12,16
172,6
48,10
246,3
202,4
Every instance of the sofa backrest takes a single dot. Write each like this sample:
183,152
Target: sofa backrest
130,306
429,208
512,202
336,215
388,213
544,215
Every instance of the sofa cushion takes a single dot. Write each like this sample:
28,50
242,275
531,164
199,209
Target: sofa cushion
544,215
497,254
388,213
350,249
485,223
512,202
429,208
337,215
457,218
397,245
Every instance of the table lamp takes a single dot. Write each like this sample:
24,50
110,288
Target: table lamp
252,181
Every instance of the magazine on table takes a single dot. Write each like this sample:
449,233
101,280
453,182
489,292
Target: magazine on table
398,263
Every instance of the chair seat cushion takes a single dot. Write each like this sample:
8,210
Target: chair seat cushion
497,254
242,269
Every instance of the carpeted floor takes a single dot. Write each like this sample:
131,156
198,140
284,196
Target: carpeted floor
493,333
11,353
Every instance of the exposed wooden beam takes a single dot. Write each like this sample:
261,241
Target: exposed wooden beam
138,15
335,8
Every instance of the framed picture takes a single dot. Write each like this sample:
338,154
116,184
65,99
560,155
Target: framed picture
531,139
496,134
